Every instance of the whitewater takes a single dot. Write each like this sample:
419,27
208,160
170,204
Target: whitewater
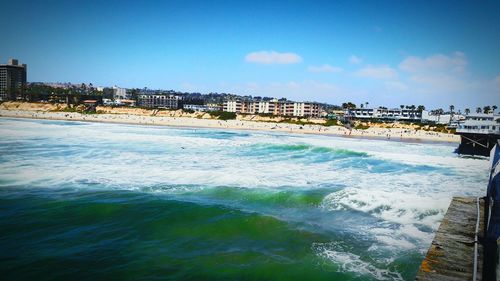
186,203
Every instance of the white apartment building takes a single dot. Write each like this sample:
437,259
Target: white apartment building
119,93
262,107
275,107
384,113
232,106
298,109
480,123
167,101
198,107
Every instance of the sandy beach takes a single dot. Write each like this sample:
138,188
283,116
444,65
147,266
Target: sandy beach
403,134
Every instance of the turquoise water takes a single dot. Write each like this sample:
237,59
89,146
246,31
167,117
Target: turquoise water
90,201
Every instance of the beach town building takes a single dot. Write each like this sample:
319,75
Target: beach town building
384,113
90,105
273,107
200,107
167,101
232,106
214,106
451,119
480,123
306,109
12,79
125,102
479,133
119,93
120,102
108,102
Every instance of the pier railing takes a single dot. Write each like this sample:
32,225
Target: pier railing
467,242
491,239
476,131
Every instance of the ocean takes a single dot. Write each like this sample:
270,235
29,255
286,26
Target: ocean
95,201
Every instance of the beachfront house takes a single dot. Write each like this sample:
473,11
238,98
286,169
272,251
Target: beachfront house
120,93
108,102
200,107
118,102
389,114
166,101
273,107
480,123
479,133
90,105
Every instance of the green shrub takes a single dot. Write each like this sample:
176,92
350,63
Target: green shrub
227,116
69,109
361,127
266,114
331,122
296,122
223,115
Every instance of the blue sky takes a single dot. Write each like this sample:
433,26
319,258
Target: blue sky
389,53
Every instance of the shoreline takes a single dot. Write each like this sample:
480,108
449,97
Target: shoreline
390,134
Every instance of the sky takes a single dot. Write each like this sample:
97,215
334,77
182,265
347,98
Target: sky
386,53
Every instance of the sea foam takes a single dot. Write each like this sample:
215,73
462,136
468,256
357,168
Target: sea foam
392,194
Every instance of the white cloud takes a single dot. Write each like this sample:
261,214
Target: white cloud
355,60
442,83
324,68
438,74
443,79
308,90
455,62
494,88
436,81
377,72
395,86
496,82
272,57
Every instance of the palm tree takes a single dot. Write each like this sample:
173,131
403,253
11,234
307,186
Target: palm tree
402,106
494,108
421,108
487,109
366,104
467,111
478,110
361,105
438,112
348,105
452,108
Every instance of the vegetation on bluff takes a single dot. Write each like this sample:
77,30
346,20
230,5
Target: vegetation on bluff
222,115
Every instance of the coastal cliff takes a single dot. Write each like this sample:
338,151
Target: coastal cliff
130,115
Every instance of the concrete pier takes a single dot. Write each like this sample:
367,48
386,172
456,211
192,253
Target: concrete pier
451,254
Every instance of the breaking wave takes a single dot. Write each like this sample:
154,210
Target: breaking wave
389,195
